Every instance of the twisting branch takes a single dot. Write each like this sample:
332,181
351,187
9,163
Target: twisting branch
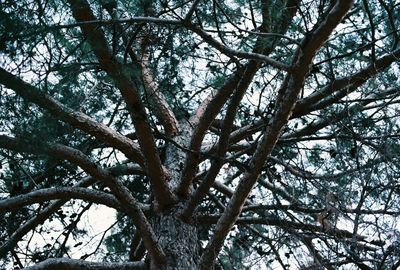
351,110
54,206
202,120
266,23
297,135
248,130
344,86
158,101
95,36
223,144
95,22
37,219
70,264
192,10
74,118
125,197
64,193
285,224
161,107
329,177
287,97
235,53
238,83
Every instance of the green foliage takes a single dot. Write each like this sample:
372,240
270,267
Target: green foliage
355,154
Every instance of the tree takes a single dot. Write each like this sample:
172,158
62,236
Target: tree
226,134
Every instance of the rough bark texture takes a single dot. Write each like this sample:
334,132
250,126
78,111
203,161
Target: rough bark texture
178,239
175,153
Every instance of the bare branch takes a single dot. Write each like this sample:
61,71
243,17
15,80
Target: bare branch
37,219
351,110
54,206
262,45
284,106
118,189
161,108
238,83
204,117
64,193
95,22
271,221
70,264
223,144
192,10
75,118
95,36
232,52
158,101
329,177
343,86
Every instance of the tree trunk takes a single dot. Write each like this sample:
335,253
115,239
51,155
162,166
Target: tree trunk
178,239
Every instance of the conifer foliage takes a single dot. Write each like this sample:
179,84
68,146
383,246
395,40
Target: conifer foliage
240,134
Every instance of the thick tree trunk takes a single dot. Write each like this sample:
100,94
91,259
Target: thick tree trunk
178,239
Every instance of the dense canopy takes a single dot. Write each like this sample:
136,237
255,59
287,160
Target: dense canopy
240,134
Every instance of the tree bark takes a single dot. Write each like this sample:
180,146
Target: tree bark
179,241
177,238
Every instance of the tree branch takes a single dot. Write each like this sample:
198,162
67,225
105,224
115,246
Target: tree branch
95,36
223,144
232,52
192,10
158,101
284,224
118,189
204,117
326,177
161,107
286,99
54,206
95,22
64,193
70,264
342,87
74,118
351,110
238,84
37,219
